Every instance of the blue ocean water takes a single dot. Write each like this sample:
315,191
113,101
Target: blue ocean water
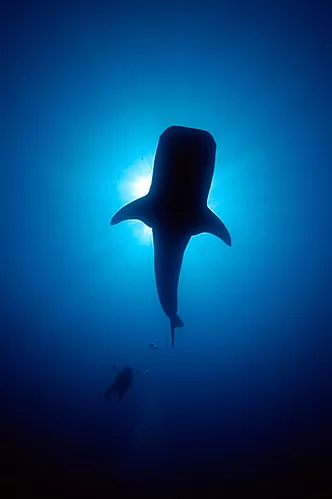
242,401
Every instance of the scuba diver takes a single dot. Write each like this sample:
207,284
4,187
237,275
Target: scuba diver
123,381
153,345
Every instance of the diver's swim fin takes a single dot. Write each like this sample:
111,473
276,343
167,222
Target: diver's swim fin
108,392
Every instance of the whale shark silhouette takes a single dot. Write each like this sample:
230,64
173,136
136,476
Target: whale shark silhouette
176,207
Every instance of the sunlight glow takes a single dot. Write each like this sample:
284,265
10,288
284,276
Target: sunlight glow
136,183
141,186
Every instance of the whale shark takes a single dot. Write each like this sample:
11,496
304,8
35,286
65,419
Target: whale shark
176,207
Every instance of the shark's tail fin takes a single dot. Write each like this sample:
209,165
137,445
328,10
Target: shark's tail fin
177,322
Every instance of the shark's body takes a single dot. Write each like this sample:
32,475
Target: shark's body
176,207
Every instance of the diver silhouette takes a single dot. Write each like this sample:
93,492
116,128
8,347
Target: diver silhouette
123,381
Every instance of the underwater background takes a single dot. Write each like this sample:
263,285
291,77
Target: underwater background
242,404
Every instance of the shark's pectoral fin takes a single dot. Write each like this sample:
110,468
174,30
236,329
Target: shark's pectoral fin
169,249
136,210
213,225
